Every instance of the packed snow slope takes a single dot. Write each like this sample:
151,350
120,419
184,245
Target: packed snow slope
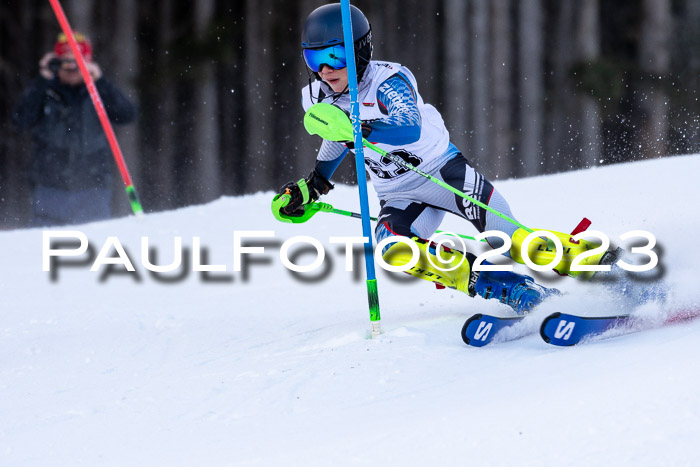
261,367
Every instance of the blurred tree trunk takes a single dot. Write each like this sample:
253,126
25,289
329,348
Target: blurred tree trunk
170,112
456,39
690,59
205,165
559,147
387,46
15,147
654,60
588,51
80,14
259,87
123,70
685,70
480,79
231,95
531,117
424,46
284,95
302,77
159,109
501,71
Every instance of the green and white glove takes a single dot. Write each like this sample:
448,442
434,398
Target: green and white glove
303,192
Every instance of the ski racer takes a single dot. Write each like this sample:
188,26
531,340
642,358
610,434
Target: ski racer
395,118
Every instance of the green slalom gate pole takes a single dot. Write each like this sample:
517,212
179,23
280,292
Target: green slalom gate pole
372,294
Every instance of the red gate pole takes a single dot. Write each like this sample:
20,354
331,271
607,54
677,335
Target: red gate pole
99,107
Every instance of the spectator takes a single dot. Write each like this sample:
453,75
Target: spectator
71,169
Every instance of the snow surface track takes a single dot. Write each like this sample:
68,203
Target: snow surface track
266,369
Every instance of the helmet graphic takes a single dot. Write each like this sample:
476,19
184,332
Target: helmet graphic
323,29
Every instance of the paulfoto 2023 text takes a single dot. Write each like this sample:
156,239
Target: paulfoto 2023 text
71,248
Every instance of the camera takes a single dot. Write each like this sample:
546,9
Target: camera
55,65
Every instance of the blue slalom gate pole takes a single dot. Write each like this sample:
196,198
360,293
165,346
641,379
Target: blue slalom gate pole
372,294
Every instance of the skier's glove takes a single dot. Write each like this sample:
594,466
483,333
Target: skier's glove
303,192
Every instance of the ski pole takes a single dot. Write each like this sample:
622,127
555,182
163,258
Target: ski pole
99,107
402,163
357,215
331,123
317,206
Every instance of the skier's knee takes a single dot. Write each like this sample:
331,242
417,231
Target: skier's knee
384,231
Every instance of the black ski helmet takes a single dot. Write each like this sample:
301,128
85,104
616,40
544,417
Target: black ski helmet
324,27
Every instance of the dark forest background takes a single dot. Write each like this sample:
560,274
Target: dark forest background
526,87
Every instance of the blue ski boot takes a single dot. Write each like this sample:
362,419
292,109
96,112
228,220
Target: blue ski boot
518,291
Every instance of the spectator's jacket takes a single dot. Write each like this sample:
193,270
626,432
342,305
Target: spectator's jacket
70,149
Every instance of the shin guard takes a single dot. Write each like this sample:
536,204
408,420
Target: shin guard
450,269
541,251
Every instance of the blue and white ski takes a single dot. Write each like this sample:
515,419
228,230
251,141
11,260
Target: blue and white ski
480,329
564,329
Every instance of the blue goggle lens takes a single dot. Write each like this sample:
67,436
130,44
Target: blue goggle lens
333,56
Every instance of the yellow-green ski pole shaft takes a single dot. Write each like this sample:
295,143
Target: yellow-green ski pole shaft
396,159
328,208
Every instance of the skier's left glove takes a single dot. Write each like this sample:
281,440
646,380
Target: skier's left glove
303,192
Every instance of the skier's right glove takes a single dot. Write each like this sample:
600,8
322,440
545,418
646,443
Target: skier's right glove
303,192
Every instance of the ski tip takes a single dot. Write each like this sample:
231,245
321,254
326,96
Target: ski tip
466,325
543,333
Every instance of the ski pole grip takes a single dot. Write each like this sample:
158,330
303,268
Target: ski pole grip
278,202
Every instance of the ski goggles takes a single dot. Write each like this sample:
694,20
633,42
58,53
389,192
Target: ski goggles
333,56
